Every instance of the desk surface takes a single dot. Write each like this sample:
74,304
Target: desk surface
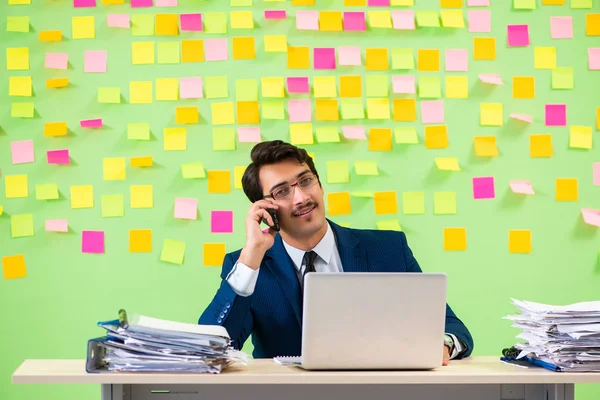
474,370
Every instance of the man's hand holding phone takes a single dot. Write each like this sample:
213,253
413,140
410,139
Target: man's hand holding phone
257,241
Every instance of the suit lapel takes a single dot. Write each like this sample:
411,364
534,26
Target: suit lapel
352,254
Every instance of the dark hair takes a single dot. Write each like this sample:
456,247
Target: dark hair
271,152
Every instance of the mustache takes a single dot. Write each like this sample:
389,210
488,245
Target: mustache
305,206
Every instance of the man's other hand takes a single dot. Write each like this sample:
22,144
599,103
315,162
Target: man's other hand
446,355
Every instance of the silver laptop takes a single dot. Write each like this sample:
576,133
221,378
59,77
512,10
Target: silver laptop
373,320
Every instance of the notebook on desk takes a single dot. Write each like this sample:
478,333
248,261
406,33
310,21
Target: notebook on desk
372,321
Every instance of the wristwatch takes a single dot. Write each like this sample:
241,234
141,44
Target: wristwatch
449,342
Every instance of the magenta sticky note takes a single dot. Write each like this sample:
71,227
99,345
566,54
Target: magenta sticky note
298,85
349,56
190,88
57,225
58,157
492,79
556,114
221,221
457,60
56,60
307,20
517,35
354,132
324,57
522,117
404,84
403,20
118,20
478,3
591,217
594,58
190,22
166,3
483,188
22,152
597,174
275,14
379,3
561,27
92,242
94,61
141,3
300,110
91,123
432,112
521,187
216,50
480,21
84,3
186,208
355,21
250,134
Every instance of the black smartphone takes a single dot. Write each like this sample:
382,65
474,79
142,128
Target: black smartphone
273,214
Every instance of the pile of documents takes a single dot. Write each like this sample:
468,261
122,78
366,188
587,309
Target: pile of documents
561,338
140,343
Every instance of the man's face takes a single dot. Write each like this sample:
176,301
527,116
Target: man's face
294,219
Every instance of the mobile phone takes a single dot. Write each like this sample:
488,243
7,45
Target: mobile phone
273,214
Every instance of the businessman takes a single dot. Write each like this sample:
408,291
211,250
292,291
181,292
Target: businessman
260,291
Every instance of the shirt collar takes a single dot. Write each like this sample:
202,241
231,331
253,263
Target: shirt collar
324,249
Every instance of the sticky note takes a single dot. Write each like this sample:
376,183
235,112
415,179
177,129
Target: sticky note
298,57
110,95
114,169
297,85
338,203
540,145
190,22
21,225
83,28
219,181
324,87
447,164
428,19
480,21
485,146
413,203
141,196
20,86
444,203
16,186
47,191
213,254
562,78
592,24
380,139
544,57
141,3
272,87
94,61
167,24
187,115
167,89
216,50
140,92
561,27
330,21
385,203
173,251
478,3
457,87
248,112
216,87
483,188
456,60
50,36
389,225
193,170
517,35
403,20
380,19
168,53
241,20
56,60
140,240
22,151
354,132
580,137
519,241
300,110
192,51
186,208
403,84
328,134
14,266
91,123
405,110
17,24
354,21
275,43
223,139
524,4
243,48
307,20
484,48
377,86
273,109
403,58
249,135
378,108
112,205
377,59
118,21
221,221
491,114
430,87
451,3
432,112
338,172
556,114
455,239
406,135
521,187
324,58
216,22
301,134
523,87
366,167
275,14
222,113
452,18
238,173
591,217
436,137
349,56
141,161
577,4
58,157
190,88
175,139
142,25
522,117
596,173
22,110
138,131
92,242
56,225
326,110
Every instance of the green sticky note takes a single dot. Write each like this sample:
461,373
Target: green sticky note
428,19
168,52
240,3
403,59
215,87
430,87
353,109
21,225
273,109
338,172
406,135
328,134
223,139
142,24
524,4
366,167
214,22
362,194
48,191
377,86
112,205
581,3
444,203
172,251
138,131
17,24
22,110
109,95
193,170
413,203
389,225
246,90
562,78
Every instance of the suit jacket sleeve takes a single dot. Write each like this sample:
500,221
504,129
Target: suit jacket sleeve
230,310
453,324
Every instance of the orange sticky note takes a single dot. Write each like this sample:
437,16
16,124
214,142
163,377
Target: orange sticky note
436,137
192,51
553,2
14,266
243,48
219,181
50,36
355,3
303,2
338,203
326,110
428,60
380,139
377,59
523,87
55,129
385,202
451,3
485,146
566,189
248,112
187,115
455,239
213,254
598,118
167,24
330,21
519,241
140,240
350,86
405,110
298,57
540,146
57,83
141,161
592,24
484,48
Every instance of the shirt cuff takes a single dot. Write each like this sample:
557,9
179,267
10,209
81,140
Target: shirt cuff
458,346
242,279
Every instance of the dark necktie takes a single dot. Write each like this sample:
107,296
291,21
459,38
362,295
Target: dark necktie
309,261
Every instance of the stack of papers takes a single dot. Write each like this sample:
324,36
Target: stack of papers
141,343
562,338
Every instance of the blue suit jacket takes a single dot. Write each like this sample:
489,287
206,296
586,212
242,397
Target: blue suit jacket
272,314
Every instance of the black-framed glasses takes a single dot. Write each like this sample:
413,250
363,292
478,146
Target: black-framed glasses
283,192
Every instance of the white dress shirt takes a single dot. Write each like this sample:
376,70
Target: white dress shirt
242,278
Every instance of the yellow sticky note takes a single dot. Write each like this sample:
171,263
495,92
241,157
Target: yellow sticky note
219,181
16,186
389,225
82,196
406,135
298,57
452,18
378,108
17,58
241,20
187,115
173,251
18,2
193,170
275,43
243,48
273,109
55,129
142,25
192,51
112,205
326,110
350,86
580,137
324,86
238,173
540,145
83,28
174,139
223,139
57,83
141,196
353,109
167,89
380,19
272,87
140,240
484,48
598,118
168,53
330,21
109,95
447,163
485,146
213,254
491,114
140,92
17,24
248,112
377,59
22,110
338,204
405,110
338,172
138,131
222,113
167,24
214,22
14,267
380,139
301,134
592,24
377,86
455,239
1,210
428,60
544,57
436,137
50,36
444,203
355,3
46,191
328,134
566,189
519,241
114,169
21,225
413,203
20,86
457,87
385,203
141,161
523,87
451,3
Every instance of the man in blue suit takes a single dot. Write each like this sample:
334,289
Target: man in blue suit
261,293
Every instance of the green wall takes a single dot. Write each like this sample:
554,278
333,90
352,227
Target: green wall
52,311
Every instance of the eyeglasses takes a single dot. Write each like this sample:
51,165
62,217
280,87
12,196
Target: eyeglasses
286,191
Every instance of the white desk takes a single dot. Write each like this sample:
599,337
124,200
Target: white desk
475,378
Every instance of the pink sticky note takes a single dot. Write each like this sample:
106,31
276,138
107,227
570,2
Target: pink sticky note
58,157
307,20
517,35
354,132
22,152
483,188
480,21
298,84
141,3
190,88
556,114
249,134
432,112
166,3
118,20
594,58
521,187
191,22
56,60
275,14
522,117
324,57
91,123
300,110
403,20
57,225
403,84
216,49
561,27
349,55
597,174
478,3
354,21
186,208
379,3
591,217
84,3
457,60
221,221
94,61
92,242
492,79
